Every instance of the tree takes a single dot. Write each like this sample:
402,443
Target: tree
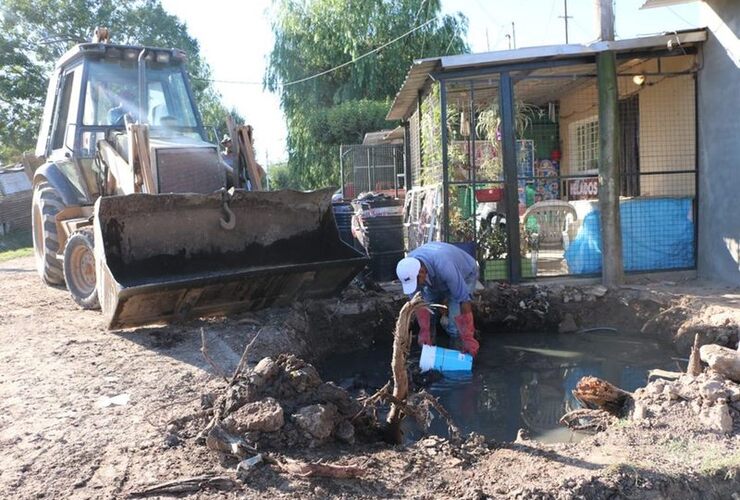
317,35
34,34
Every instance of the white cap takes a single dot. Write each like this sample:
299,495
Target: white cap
408,271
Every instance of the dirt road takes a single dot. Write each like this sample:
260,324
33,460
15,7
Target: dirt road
59,439
58,363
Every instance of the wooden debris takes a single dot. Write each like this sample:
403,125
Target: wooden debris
188,485
401,346
665,374
321,470
694,369
596,393
585,419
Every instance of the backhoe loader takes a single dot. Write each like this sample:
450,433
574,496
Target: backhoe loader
139,215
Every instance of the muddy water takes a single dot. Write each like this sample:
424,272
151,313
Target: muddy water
518,380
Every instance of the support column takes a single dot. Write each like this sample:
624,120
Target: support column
407,180
445,162
611,233
511,184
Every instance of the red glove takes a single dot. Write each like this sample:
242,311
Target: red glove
466,328
424,317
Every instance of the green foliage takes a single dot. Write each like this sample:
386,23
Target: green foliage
317,143
317,35
34,34
279,177
16,244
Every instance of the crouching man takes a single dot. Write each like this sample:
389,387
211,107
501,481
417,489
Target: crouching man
443,272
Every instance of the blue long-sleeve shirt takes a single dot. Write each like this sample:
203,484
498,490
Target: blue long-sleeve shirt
448,267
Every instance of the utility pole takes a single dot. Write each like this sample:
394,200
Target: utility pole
488,43
513,33
611,234
565,17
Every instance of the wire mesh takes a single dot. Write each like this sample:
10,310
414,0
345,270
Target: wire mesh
558,201
377,168
557,154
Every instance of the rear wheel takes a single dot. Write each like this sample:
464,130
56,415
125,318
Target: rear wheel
46,205
79,269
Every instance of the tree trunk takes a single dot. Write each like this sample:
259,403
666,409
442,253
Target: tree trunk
599,394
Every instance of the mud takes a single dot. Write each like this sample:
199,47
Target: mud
58,365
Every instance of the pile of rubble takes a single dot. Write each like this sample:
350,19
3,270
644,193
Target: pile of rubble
283,403
713,395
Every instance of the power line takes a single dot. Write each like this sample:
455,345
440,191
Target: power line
322,73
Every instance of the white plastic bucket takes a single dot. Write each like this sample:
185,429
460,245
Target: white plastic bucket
444,360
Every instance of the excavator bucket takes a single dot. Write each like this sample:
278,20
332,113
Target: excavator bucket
169,257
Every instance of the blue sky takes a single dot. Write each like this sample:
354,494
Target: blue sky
236,38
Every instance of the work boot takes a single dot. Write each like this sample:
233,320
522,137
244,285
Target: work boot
424,317
466,328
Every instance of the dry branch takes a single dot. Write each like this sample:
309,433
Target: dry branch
187,485
243,359
204,349
587,419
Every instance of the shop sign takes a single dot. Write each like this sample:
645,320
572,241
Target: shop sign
583,189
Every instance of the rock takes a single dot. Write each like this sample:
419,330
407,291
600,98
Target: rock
721,359
670,392
712,390
718,418
267,369
640,412
317,420
577,297
598,290
733,392
568,325
265,415
345,431
655,388
329,392
304,379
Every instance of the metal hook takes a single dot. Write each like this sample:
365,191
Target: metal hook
229,222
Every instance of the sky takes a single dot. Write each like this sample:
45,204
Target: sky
235,37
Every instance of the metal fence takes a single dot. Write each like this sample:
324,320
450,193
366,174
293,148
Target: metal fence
377,168
555,214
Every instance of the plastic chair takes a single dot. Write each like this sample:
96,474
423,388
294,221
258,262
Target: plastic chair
553,218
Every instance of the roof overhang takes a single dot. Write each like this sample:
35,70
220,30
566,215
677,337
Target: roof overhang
424,71
651,4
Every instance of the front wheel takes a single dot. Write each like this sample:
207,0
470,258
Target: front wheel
46,205
79,269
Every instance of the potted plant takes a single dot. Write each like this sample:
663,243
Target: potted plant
492,252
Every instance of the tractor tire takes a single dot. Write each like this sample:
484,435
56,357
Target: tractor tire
79,269
45,206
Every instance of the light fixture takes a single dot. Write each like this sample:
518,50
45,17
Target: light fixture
638,80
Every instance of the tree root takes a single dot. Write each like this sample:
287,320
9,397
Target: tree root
585,419
187,485
321,470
